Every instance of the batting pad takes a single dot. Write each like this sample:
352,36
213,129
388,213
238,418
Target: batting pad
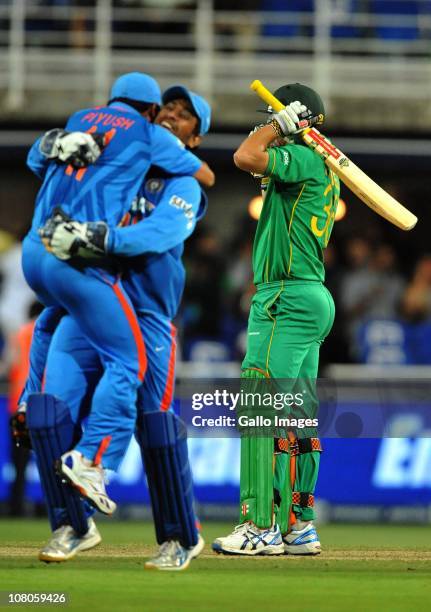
257,472
283,467
162,437
53,433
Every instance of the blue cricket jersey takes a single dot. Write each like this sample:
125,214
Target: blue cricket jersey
169,208
105,190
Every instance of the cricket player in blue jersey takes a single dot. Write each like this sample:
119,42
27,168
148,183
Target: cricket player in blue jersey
153,278
93,294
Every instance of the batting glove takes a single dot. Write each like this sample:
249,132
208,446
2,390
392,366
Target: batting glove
293,119
76,148
74,239
66,238
19,429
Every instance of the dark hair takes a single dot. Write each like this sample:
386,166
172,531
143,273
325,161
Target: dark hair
141,107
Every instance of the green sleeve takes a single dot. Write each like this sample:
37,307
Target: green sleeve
292,163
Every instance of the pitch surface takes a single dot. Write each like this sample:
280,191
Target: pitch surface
366,567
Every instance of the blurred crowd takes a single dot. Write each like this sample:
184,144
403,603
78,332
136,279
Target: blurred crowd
363,276
74,25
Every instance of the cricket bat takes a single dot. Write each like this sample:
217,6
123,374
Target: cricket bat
362,185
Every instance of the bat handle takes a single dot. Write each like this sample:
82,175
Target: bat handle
264,93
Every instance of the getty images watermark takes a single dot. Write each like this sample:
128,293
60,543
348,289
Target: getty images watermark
231,407
243,401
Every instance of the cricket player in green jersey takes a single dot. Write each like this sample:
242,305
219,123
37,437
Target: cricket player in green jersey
292,312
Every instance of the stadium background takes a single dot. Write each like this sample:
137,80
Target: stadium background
370,60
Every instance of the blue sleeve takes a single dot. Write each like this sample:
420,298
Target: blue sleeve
44,329
171,222
36,161
169,153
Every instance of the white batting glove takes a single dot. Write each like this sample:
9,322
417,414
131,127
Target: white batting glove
74,239
293,119
66,239
76,148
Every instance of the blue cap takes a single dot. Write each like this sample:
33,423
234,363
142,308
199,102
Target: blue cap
199,104
137,86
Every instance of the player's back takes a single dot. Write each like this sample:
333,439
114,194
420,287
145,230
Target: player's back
104,190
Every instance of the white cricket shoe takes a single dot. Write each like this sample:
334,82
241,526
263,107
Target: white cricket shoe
174,557
87,478
247,539
302,540
65,543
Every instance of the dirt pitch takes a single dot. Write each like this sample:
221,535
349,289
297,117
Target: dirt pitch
131,551
363,567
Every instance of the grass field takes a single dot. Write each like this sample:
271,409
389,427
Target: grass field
363,568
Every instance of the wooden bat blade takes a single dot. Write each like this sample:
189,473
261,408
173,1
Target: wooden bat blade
352,176
360,183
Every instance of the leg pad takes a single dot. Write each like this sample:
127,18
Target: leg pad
162,437
257,466
53,433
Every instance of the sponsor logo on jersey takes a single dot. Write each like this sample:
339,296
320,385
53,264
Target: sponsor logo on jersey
185,207
286,157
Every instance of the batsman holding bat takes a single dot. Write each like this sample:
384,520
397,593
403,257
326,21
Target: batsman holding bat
292,313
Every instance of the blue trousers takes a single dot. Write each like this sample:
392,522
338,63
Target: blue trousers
72,369
70,352
101,310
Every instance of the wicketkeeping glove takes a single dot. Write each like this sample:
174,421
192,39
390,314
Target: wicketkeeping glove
293,119
76,148
66,238
19,429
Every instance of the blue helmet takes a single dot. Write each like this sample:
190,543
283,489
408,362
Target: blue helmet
137,86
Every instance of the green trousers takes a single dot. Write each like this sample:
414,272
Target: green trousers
288,322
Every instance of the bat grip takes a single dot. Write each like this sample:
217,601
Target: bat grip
264,93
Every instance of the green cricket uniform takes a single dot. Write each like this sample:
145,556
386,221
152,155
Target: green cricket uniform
292,312
297,217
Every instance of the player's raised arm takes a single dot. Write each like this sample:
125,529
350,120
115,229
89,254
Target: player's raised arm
252,155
